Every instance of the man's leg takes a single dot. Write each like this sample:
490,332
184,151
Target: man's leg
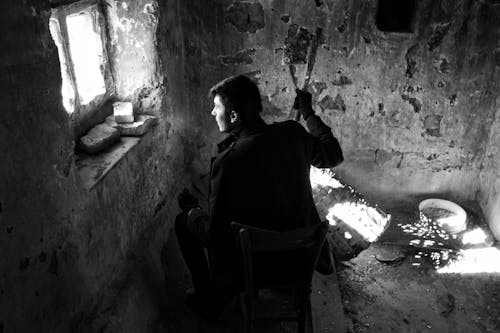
192,247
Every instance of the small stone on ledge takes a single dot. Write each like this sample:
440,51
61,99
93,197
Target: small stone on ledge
141,125
99,138
123,112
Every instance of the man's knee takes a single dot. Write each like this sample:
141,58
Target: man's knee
180,225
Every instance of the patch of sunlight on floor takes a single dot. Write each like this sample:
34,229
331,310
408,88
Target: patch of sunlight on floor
470,261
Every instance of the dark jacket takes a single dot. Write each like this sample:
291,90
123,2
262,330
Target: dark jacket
261,177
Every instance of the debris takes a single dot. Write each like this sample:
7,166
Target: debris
347,264
450,305
392,256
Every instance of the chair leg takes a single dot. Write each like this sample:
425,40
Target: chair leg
309,319
305,315
248,312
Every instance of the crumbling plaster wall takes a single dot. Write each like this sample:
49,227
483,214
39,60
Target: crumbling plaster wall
132,27
412,110
68,255
489,191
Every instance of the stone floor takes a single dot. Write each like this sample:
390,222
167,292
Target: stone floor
393,287
377,294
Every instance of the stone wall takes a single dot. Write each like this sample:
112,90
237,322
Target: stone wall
412,110
68,254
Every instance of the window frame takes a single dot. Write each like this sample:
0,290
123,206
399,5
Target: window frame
84,116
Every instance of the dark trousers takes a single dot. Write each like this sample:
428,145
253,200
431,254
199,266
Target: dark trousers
192,239
216,273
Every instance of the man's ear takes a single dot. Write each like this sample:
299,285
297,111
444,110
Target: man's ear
233,117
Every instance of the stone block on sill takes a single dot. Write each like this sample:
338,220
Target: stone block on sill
99,138
123,112
141,125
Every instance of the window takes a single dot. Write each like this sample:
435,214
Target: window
79,33
395,15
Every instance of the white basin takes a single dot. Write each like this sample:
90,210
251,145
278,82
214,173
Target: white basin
454,222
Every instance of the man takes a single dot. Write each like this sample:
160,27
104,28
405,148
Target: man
259,177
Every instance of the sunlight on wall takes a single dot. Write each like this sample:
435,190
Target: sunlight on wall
342,204
322,177
87,55
481,260
367,221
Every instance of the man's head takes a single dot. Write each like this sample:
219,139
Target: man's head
236,101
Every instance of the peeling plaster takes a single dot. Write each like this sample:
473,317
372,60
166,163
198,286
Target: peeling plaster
246,16
414,102
243,57
328,103
411,62
432,125
439,31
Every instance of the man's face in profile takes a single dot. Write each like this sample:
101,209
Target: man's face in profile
221,115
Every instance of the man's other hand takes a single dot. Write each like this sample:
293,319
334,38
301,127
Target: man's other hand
303,103
186,201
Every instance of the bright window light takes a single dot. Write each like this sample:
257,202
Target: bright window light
67,91
87,55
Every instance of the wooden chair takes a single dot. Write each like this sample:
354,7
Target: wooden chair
279,260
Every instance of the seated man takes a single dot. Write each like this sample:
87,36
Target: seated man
260,177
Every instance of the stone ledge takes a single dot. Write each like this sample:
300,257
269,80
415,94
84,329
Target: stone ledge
92,168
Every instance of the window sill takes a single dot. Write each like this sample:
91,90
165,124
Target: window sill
93,168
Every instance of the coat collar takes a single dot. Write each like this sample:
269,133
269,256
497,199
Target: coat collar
237,133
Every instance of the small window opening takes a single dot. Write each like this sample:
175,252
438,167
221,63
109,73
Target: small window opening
395,15
87,54
78,32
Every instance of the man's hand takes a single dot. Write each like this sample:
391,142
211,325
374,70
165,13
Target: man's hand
303,103
187,201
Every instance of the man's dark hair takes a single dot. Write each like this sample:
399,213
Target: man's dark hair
240,94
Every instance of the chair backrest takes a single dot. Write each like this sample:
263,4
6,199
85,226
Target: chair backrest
281,258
